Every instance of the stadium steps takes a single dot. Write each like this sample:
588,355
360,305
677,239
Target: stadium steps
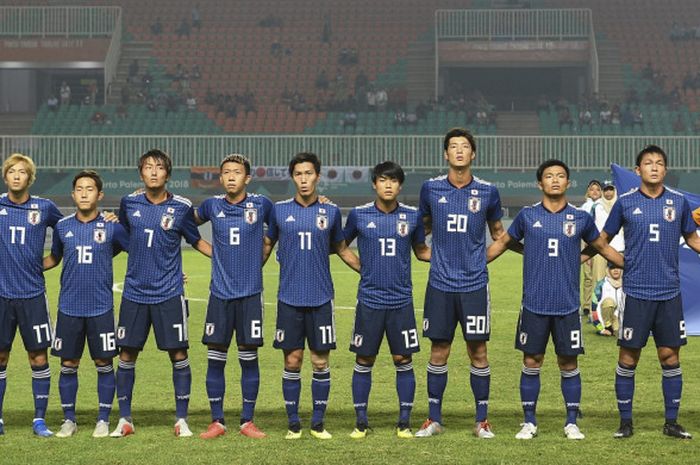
612,83
16,123
514,123
420,70
139,50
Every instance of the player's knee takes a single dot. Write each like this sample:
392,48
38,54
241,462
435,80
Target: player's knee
567,363
478,353
533,361
103,362
669,355
177,355
320,364
38,358
293,360
128,355
439,352
629,357
4,358
402,359
70,363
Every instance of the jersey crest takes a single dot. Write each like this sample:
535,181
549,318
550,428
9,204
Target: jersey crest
474,204
167,221
99,235
250,215
569,228
402,228
669,213
34,217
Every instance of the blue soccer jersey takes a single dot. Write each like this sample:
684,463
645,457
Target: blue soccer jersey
459,216
305,236
385,241
237,231
154,269
22,236
552,256
87,250
653,228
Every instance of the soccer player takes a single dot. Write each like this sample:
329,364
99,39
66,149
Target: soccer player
87,243
23,222
307,231
156,222
456,208
235,300
552,231
654,218
386,230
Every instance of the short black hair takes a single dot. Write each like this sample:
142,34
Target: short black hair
92,174
459,132
549,164
303,157
388,169
157,155
236,158
651,149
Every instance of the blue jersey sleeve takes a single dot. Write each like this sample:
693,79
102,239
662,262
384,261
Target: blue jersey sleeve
350,230
204,210
614,222
54,215
516,230
189,228
120,240
424,202
123,218
590,231
56,245
687,222
419,231
272,229
337,228
494,211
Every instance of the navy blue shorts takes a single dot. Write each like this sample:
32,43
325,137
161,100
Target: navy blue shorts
296,325
169,320
32,318
533,333
399,324
663,318
443,310
244,315
71,332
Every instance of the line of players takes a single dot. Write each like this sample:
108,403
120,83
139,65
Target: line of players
455,209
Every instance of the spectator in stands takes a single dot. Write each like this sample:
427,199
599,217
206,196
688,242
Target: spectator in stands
615,116
92,92
637,117
585,118
678,125
196,18
422,110
322,80
52,103
632,97
349,120
133,68
411,118
196,73
99,118
361,82
564,118
191,102
627,118
400,118
371,99
382,99
157,27
122,112
64,93
183,29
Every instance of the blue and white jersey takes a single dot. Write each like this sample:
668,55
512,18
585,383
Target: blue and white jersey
459,216
652,231
237,232
384,241
154,269
87,250
22,235
552,256
305,235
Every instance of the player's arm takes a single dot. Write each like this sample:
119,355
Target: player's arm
428,224
203,247
591,250
497,232
51,261
268,245
422,252
693,241
346,255
54,258
601,245
500,245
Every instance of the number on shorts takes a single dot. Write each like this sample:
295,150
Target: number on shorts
255,329
576,339
180,331
410,338
476,324
682,328
326,334
38,331
108,342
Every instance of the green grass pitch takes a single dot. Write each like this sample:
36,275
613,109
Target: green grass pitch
153,405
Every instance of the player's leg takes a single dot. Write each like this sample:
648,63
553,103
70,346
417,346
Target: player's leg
4,358
68,344
367,334
249,336
636,321
101,340
475,318
218,332
132,332
439,323
670,335
8,329
290,338
320,332
35,329
568,343
402,336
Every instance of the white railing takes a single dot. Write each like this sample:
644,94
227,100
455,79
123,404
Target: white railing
412,152
538,24
113,54
58,21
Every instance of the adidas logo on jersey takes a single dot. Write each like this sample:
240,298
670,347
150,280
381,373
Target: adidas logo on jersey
637,211
371,225
3,212
289,219
221,215
537,224
442,200
69,234
137,213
